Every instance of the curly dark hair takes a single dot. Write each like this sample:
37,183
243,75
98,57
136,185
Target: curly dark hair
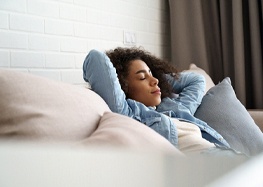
122,57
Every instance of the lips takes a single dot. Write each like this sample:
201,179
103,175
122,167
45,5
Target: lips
158,91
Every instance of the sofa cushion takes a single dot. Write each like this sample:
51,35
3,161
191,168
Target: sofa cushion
120,131
38,108
257,115
221,109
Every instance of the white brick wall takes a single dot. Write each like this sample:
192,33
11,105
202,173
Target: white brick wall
52,37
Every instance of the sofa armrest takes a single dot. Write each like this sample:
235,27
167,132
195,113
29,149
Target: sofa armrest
257,115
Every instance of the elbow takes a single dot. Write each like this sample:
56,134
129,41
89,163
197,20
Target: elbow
200,80
90,63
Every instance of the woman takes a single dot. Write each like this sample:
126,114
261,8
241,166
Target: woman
137,84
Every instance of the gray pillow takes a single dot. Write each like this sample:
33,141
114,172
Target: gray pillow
221,109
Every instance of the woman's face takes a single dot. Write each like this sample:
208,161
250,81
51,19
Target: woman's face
142,86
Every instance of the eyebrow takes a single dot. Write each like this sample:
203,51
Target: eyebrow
143,71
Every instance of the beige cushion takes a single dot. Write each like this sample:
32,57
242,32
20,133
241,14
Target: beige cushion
257,115
117,130
37,108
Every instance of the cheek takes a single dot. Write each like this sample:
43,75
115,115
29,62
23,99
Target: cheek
135,90
131,91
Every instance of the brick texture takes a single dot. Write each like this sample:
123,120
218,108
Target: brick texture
51,38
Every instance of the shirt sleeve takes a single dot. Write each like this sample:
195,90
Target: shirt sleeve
190,88
98,70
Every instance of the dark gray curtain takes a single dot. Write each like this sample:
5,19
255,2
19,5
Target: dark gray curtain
224,37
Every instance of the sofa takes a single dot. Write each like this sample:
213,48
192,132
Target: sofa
57,134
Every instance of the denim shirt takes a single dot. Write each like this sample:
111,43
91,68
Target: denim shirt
101,75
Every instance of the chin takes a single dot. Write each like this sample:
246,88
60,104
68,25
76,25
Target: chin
152,103
157,103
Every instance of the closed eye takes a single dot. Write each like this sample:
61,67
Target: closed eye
144,73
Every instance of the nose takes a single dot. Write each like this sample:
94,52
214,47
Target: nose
154,81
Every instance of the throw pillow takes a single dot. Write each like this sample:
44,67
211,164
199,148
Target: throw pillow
34,107
221,109
115,130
